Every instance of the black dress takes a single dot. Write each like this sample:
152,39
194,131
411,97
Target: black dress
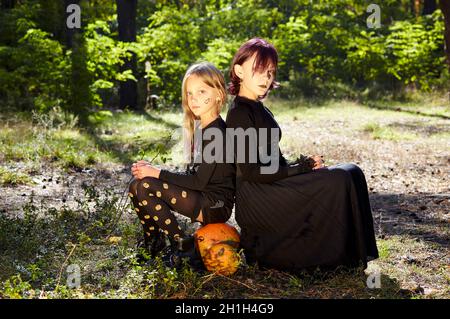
292,219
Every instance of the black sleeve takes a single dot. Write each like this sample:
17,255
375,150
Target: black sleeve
195,181
242,117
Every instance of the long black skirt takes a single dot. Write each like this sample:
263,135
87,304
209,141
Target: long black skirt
318,219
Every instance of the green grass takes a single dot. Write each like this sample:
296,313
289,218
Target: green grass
8,177
384,249
31,268
380,132
111,138
123,137
68,148
432,104
37,267
391,121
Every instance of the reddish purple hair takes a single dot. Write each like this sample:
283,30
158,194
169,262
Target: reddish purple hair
266,54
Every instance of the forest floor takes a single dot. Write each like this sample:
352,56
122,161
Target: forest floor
63,190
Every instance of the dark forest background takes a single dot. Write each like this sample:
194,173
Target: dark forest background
130,53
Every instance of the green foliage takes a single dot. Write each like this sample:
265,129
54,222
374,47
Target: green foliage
35,72
331,47
8,177
15,288
220,52
104,56
366,57
326,49
165,45
414,50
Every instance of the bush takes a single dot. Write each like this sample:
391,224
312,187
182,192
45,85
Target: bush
35,72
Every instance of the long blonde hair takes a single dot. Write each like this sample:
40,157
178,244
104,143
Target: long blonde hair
213,78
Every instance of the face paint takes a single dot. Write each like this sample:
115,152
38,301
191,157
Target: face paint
207,101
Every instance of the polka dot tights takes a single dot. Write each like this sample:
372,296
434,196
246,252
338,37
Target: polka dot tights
154,200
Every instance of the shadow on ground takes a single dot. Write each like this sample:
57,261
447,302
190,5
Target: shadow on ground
422,216
125,155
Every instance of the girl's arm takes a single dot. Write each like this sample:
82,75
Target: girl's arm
196,181
242,117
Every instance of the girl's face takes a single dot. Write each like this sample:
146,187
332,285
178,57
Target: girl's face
202,99
255,83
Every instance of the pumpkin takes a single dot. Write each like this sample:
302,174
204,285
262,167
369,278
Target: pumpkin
218,246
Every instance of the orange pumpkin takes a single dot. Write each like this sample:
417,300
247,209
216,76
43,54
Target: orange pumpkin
218,245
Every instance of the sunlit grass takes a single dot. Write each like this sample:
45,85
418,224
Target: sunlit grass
122,137
112,138
380,132
9,177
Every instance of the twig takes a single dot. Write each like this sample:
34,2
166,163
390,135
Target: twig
123,202
204,282
237,281
62,266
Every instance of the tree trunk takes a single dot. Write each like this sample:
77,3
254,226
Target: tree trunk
148,99
7,4
70,33
80,80
80,93
445,8
429,6
415,7
126,17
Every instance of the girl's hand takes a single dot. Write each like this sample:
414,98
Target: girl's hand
319,162
142,169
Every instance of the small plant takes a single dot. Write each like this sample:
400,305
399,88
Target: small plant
16,288
55,119
379,132
8,177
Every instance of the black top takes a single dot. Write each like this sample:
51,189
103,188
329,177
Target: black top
246,113
216,180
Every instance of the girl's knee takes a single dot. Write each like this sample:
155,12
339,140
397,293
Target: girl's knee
148,183
354,170
353,167
133,186
350,168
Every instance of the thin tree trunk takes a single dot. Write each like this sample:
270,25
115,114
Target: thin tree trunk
445,8
148,99
126,17
415,7
80,80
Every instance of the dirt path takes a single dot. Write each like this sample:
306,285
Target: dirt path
408,179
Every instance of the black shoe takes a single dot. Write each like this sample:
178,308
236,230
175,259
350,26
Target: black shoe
157,244
186,251
180,251
185,243
150,247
